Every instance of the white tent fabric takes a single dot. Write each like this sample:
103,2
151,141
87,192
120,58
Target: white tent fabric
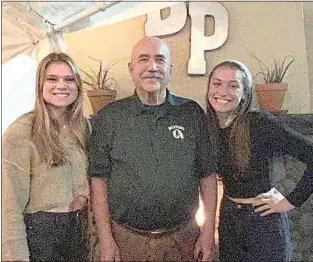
26,26
36,28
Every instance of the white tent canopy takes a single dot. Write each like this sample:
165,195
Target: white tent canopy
30,27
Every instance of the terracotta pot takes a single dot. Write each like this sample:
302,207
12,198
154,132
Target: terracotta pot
100,97
271,96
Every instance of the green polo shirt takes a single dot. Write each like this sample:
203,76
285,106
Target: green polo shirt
153,158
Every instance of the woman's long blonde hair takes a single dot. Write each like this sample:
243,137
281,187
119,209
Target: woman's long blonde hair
46,129
239,141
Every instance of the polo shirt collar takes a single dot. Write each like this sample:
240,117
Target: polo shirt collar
162,109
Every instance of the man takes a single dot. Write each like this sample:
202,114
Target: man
148,154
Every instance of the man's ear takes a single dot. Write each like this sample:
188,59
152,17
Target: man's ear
171,69
130,67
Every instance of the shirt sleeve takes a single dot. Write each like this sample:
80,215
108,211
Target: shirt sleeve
286,141
206,153
99,146
15,195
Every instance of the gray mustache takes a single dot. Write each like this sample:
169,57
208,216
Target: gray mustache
153,76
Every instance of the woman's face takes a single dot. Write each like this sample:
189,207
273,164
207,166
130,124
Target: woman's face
225,90
59,88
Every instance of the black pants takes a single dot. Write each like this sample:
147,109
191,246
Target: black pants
55,236
246,236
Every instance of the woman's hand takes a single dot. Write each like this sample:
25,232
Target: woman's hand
79,203
271,202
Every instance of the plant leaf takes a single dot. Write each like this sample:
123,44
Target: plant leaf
90,77
274,73
111,85
264,69
286,68
99,80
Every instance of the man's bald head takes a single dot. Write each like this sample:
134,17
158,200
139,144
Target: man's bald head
150,42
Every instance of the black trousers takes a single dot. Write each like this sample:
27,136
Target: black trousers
56,236
246,236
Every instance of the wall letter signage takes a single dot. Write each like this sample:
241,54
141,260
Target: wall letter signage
199,42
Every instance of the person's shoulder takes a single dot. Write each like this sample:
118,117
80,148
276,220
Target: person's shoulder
188,107
121,102
114,110
19,130
22,125
262,115
118,104
185,102
179,100
115,106
264,119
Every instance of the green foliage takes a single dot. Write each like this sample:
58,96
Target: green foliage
275,72
99,79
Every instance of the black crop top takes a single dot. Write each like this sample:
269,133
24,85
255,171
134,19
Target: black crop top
269,137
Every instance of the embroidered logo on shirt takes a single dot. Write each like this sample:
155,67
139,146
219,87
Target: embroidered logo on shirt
177,131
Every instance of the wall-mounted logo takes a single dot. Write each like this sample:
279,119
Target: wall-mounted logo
177,131
199,43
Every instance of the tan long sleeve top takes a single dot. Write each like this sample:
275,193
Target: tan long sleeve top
29,185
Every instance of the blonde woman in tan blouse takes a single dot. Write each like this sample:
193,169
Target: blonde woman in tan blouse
45,187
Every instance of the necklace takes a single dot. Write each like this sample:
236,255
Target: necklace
66,129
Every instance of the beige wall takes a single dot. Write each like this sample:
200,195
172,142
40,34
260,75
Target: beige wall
269,30
308,26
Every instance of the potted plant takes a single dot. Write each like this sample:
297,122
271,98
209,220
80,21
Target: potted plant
271,93
100,89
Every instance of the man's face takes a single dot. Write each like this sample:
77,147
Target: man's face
150,66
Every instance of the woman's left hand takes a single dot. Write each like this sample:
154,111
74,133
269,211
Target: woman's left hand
79,203
271,202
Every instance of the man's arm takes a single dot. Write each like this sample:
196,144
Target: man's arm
208,193
100,206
